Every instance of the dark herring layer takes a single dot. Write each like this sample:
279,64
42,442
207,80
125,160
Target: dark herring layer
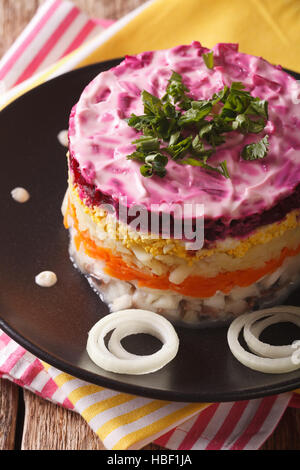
214,229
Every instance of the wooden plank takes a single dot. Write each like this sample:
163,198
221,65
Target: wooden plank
111,9
51,427
14,15
287,435
9,396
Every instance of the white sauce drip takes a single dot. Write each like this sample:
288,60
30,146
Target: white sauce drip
62,137
20,195
46,279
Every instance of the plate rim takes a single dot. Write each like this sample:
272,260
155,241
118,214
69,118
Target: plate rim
115,384
83,374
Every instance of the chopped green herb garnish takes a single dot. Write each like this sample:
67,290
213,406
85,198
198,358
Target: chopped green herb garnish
195,114
147,143
221,168
198,146
209,59
177,125
153,163
152,104
247,126
159,120
176,91
259,107
138,156
179,149
174,138
256,150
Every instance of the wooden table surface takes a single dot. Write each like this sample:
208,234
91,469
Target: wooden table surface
28,422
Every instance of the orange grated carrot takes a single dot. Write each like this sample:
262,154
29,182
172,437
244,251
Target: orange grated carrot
193,286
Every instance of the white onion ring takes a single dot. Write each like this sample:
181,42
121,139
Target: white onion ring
271,359
127,322
296,353
130,328
252,332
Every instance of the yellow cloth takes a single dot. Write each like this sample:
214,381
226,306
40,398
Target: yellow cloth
267,28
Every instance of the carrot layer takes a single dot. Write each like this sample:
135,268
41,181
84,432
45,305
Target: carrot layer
193,286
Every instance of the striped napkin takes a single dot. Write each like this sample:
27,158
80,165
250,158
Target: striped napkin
60,38
125,422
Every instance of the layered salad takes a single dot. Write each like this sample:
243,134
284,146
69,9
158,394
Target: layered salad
183,191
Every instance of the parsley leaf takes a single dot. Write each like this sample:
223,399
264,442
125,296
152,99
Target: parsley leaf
256,150
159,120
174,138
138,156
209,59
220,95
153,163
221,168
152,104
140,123
180,148
195,114
247,126
147,143
237,102
177,91
259,107
224,169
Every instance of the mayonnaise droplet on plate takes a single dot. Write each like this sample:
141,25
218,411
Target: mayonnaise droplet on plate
46,279
20,195
62,137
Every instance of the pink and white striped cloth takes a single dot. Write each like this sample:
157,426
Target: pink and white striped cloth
242,425
57,29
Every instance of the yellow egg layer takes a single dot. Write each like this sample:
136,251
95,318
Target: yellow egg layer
235,248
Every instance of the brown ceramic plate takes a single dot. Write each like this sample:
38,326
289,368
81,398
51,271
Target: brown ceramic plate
53,323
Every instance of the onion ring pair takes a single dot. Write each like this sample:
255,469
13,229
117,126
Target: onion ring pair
115,358
265,357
